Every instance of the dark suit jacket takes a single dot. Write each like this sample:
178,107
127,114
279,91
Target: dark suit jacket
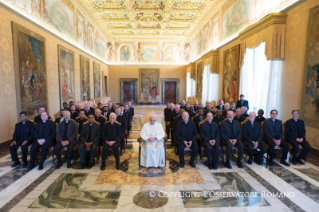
183,107
172,116
95,132
224,113
260,119
196,108
245,103
220,107
226,130
38,118
177,119
273,132
74,115
49,130
112,135
209,110
197,121
101,120
295,130
72,131
186,132
121,120
252,133
80,123
209,131
27,134
166,114
131,110
218,119
240,119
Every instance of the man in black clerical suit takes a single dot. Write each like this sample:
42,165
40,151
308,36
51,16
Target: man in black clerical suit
109,106
67,135
244,111
242,102
44,136
81,120
191,112
273,132
186,134
226,109
89,139
196,106
113,107
201,106
253,139
209,108
218,117
233,107
183,105
130,109
171,121
38,117
221,105
125,114
177,119
105,112
121,119
111,137
65,106
260,118
209,133
22,137
167,115
88,110
61,118
239,116
188,106
231,136
74,113
99,118
296,135
198,119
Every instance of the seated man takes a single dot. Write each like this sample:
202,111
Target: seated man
43,137
231,136
209,133
38,117
111,136
226,109
152,149
196,106
22,137
186,134
296,135
221,105
239,116
65,106
74,113
253,139
90,138
61,118
274,137
67,135
191,112
244,111
198,119
183,105
209,109
260,117
233,107
81,119
218,117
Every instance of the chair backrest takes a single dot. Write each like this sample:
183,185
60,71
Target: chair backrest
283,128
145,118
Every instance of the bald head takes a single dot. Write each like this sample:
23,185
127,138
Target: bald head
185,116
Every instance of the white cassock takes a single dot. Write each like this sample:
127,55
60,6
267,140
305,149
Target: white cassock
152,153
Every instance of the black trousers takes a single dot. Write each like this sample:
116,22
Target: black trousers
284,146
168,129
212,155
116,152
250,147
34,150
59,147
304,152
82,148
24,150
172,137
229,147
181,147
129,126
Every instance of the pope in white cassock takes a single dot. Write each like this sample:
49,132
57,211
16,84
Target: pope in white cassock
152,148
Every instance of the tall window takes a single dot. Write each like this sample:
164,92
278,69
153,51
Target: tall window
210,85
260,80
190,86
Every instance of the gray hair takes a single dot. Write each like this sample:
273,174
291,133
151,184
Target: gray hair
112,114
66,111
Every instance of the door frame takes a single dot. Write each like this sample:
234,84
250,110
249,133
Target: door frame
122,80
163,81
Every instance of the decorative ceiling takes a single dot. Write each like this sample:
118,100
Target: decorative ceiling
136,19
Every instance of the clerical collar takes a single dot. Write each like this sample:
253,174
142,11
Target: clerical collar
230,121
209,122
97,117
66,122
90,125
273,119
185,122
112,123
295,120
23,122
44,121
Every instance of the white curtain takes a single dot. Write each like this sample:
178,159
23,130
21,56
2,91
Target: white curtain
210,85
190,86
260,80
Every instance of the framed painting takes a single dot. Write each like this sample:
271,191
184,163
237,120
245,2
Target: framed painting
97,80
149,79
148,52
100,45
85,78
231,74
199,80
29,70
310,96
125,53
66,74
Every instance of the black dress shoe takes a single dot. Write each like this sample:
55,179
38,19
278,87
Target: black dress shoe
294,162
210,168
30,168
103,166
192,165
40,167
83,165
118,167
240,165
214,166
182,166
300,161
16,163
271,163
227,165
284,163
91,165
68,165
24,165
58,165
121,153
250,161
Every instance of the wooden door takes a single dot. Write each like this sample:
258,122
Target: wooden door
129,92
170,92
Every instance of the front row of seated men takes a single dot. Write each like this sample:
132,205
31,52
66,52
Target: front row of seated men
152,149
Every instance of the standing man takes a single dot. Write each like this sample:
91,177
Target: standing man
167,115
253,139
171,121
22,136
274,137
242,102
120,119
111,136
43,138
61,118
131,111
296,135
186,134
67,135
231,136
89,139
244,111
209,134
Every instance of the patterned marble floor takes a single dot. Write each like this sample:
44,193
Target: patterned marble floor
253,188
